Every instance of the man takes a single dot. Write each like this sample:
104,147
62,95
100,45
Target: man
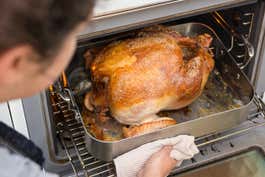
37,41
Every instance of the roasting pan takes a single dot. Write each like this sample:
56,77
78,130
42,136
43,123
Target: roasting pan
224,103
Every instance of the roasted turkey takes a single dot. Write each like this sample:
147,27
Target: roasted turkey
159,69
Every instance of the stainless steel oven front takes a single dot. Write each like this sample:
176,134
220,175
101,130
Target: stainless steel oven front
61,136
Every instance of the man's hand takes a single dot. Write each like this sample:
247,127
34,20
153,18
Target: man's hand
159,164
153,159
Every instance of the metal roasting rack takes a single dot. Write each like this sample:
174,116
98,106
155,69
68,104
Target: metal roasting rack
71,135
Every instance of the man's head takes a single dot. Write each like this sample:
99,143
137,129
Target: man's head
37,40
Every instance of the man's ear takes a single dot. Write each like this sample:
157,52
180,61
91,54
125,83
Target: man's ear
13,64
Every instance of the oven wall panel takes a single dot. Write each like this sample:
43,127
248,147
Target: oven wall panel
261,72
18,117
12,114
5,114
258,73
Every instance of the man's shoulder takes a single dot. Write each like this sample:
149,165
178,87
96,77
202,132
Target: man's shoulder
18,143
16,165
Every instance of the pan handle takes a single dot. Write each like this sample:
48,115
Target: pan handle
259,103
250,52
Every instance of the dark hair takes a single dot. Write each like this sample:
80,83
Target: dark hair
43,24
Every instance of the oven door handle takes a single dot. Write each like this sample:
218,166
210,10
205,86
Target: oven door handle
229,135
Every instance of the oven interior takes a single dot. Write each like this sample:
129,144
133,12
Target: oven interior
67,134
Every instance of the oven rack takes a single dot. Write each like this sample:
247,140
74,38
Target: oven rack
71,134
238,39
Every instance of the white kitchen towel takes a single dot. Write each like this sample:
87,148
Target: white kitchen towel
130,163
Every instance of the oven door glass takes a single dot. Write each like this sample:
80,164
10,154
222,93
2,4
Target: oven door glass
247,164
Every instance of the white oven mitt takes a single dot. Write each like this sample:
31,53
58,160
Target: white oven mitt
130,163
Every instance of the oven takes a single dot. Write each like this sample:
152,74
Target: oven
53,120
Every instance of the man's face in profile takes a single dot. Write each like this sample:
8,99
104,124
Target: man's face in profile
23,76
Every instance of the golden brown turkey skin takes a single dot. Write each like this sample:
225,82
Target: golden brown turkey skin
157,70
